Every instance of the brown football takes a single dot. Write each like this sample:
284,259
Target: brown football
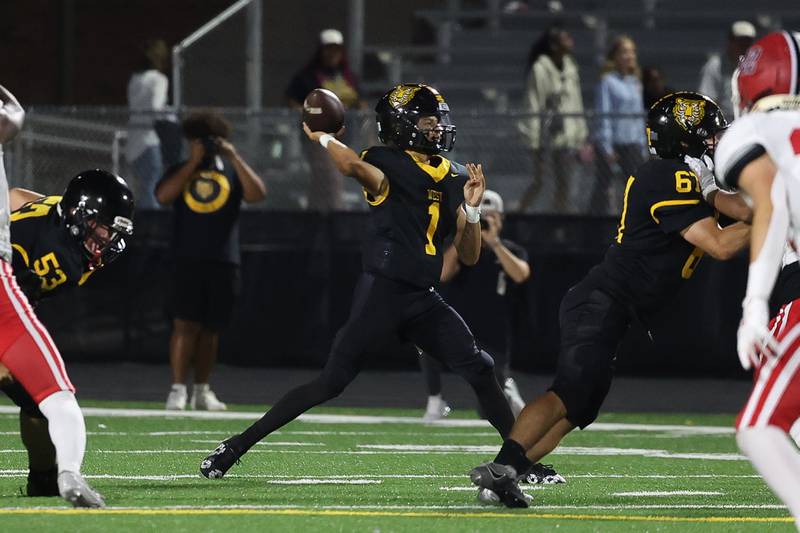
323,111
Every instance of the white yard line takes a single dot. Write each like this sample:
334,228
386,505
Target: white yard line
23,473
434,507
404,449
311,481
661,476
563,450
264,443
370,419
661,493
474,489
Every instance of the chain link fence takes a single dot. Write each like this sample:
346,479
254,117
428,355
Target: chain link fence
535,173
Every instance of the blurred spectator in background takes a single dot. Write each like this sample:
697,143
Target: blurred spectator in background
147,93
487,295
328,69
205,193
620,137
553,88
715,77
653,86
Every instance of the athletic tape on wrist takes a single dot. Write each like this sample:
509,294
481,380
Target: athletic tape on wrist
325,139
473,214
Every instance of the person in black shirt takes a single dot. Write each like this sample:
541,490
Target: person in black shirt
206,193
665,228
417,199
493,288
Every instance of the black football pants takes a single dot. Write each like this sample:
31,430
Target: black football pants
592,325
385,309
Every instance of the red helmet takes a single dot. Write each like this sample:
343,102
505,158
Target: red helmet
769,67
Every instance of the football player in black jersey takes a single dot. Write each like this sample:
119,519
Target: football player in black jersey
664,230
58,242
417,198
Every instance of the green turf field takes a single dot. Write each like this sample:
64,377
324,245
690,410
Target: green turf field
381,470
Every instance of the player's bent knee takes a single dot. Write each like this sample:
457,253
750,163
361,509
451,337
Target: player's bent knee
582,401
62,406
334,382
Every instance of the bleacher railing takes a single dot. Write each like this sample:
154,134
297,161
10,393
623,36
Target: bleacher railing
525,156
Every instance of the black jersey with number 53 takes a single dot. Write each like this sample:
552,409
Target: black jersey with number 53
649,259
409,223
46,257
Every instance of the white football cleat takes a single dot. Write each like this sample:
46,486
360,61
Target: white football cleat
77,491
204,399
436,410
176,400
513,396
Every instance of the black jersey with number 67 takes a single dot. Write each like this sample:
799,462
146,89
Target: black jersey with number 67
408,224
649,259
46,257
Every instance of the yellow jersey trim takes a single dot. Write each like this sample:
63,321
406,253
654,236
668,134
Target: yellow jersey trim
378,200
23,253
85,277
622,217
37,208
437,173
668,203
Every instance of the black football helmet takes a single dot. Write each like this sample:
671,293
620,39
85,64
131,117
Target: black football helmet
681,123
399,110
97,210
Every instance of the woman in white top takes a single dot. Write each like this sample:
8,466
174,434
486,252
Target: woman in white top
553,89
147,93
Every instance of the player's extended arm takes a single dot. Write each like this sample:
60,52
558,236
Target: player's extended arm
19,197
719,243
468,235
767,189
347,161
168,189
732,205
729,204
765,186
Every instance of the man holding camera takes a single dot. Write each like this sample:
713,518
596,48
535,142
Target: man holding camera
488,294
206,193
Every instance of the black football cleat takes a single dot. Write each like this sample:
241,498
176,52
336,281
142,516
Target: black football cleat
42,483
542,474
219,461
498,484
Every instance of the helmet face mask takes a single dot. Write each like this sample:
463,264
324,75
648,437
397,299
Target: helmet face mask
103,243
684,124
415,117
97,210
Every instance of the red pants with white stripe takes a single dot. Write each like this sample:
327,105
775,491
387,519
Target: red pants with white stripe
775,399
26,348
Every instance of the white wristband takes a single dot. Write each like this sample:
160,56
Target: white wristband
473,213
325,139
